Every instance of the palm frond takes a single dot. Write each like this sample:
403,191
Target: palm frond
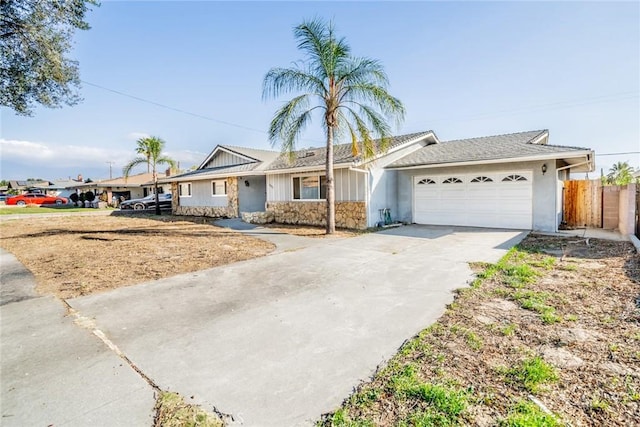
126,170
279,81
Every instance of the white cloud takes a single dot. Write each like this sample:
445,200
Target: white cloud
34,155
48,154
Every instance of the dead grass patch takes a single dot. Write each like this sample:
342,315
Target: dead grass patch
80,255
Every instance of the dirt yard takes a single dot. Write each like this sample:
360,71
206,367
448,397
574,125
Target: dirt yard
549,336
79,255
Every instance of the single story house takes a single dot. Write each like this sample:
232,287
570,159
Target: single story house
503,181
133,187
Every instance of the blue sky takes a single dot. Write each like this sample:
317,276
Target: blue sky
463,69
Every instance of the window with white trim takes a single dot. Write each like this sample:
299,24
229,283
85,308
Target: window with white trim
184,190
310,187
219,187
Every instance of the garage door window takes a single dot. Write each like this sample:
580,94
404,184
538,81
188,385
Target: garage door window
426,181
452,180
513,178
481,179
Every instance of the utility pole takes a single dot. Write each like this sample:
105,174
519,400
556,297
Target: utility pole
110,163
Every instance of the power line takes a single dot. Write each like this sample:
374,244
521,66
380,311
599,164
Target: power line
179,110
618,154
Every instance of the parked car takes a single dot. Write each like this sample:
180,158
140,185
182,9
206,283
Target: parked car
148,202
35,199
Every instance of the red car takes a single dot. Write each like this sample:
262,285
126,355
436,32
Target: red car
35,199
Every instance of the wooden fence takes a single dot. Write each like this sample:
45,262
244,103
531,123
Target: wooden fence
582,203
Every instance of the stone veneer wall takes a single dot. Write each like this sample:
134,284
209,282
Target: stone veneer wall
229,211
348,214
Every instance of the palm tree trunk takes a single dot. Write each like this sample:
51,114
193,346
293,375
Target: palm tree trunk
155,185
331,201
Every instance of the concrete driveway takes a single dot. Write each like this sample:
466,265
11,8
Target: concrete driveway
280,340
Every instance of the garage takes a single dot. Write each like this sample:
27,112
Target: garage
494,200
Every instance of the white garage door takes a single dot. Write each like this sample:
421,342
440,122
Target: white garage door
495,200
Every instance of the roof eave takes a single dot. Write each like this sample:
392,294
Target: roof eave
209,176
551,156
307,168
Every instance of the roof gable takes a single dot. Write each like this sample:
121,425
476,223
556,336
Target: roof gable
228,155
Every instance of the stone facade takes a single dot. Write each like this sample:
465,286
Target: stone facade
229,211
348,214
258,217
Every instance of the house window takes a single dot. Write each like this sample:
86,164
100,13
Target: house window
219,187
312,187
512,178
481,179
452,180
184,190
426,181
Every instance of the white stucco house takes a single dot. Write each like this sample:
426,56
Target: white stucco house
503,181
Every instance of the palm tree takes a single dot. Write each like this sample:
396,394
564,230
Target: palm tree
143,148
620,174
349,92
154,147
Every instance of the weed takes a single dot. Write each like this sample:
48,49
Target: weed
633,394
527,414
571,317
365,397
532,373
547,263
172,411
341,419
568,267
535,301
509,329
598,405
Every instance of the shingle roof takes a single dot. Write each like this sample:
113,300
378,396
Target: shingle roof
341,153
219,171
508,146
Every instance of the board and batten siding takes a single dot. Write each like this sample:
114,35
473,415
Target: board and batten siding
201,196
350,186
224,158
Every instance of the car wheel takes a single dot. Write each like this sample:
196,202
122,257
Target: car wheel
138,206
58,202
21,203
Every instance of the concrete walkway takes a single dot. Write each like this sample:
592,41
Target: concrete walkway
55,373
279,340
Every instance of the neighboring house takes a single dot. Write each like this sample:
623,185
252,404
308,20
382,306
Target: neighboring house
20,187
503,181
132,187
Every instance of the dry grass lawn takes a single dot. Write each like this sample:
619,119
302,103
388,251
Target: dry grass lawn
78,255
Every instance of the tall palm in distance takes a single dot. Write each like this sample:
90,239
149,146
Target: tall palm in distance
620,174
349,92
143,149
152,157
